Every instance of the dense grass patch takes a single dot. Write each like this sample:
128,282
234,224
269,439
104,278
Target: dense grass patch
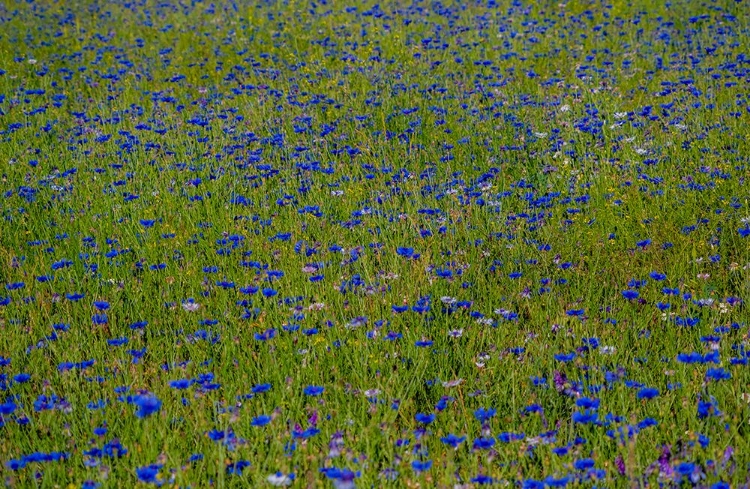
406,244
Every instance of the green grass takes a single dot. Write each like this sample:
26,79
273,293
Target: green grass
349,128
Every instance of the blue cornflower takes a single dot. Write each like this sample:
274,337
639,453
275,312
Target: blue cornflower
342,478
180,384
7,408
453,440
22,378
630,294
405,252
237,467
718,374
637,284
305,434
685,468
565,357
261,388
249,290
646,423
588,403
483,415
261,420
483,443
421,466
149,474
552,482
647,393
147,404
482,479
313,390
424,418
704,440
269,292
16,464
99,319
585,417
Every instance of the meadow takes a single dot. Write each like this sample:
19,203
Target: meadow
396,244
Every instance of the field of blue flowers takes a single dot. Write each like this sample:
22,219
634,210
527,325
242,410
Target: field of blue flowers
395,244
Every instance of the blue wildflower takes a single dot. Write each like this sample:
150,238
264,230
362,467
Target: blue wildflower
313,390
147,405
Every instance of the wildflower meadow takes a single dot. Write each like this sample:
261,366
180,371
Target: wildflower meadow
399,244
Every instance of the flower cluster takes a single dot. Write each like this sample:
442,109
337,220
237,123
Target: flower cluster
419,243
